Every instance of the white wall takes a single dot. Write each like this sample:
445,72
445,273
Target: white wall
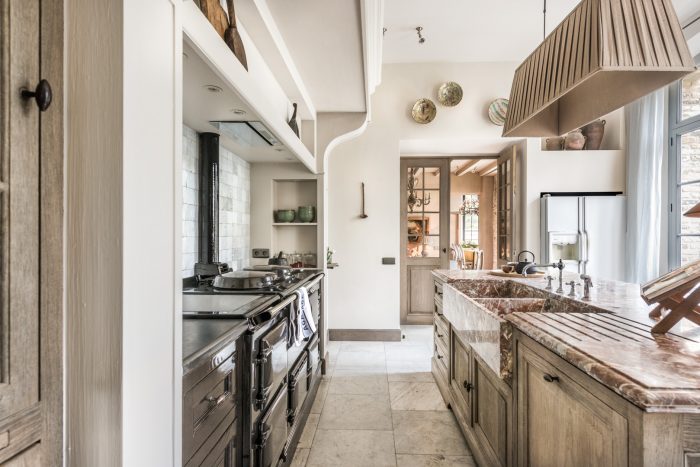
363,293
151,339
570,171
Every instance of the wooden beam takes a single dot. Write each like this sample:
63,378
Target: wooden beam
489,169
465,168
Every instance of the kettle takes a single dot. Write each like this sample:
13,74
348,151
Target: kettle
523,264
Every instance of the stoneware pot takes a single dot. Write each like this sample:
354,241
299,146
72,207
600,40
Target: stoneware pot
554,144
285,215
306,213
594,133
575,141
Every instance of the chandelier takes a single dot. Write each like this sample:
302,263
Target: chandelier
413,199
470,206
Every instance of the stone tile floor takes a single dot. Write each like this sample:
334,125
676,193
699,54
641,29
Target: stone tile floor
379,406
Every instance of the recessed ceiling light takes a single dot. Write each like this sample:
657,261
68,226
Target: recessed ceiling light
238,111
212,88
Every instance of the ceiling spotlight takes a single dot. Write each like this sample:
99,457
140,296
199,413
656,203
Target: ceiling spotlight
421,39
238,111
212,88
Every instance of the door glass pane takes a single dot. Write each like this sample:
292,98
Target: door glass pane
423,208
690,96
690,157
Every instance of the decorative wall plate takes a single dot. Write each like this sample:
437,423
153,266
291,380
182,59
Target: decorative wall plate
450,94
497,111
424,111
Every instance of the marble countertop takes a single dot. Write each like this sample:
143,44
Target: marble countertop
608,338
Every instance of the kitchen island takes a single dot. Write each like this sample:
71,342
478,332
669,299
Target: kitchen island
525,368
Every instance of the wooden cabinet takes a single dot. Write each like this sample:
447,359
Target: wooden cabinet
492,418
461,383
30,235
441,344
561,422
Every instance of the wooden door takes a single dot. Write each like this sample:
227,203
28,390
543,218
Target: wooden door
425,221
560,423
508,205
30,182
462,382
492,419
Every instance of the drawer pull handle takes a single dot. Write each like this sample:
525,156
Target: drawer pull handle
468,386
551,378
440,357
216,401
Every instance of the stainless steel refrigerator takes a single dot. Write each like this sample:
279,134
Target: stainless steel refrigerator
586,232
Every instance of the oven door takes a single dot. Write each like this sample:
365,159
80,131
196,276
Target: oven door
297,389
271,363
272,432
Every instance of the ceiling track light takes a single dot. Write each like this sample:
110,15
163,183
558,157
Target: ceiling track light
421,39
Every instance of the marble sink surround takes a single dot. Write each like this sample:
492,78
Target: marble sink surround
607,337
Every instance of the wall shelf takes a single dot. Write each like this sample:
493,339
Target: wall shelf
295,224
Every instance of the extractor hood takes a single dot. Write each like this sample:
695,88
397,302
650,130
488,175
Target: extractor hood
604,55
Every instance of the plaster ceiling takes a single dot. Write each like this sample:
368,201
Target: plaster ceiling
324,39
485,31
201,106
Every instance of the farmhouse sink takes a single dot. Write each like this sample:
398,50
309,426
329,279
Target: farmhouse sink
477,310
505,306
498,289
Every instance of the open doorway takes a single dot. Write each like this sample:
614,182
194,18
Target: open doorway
473,207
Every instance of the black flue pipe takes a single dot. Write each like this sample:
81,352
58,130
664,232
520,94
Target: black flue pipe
208,198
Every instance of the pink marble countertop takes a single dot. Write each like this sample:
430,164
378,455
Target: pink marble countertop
658,373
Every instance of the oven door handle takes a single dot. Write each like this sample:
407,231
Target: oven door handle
280,306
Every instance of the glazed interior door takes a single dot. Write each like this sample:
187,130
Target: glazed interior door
424,234
20,416
507,213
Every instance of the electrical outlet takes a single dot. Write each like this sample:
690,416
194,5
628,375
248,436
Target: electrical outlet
261,252
388,260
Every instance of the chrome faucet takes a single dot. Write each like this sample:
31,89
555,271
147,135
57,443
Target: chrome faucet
572,291
559,265
587,285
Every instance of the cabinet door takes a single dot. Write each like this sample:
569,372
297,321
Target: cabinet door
461,382
20,420
562,424
491,414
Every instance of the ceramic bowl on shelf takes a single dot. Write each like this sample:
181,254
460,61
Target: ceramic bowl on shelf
306,213
285,215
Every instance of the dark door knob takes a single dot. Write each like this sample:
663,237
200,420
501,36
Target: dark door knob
444,250
42,95
550,378
468,386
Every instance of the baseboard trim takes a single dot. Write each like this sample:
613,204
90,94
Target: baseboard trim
387,335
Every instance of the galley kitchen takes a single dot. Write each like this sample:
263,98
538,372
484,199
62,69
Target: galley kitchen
349,233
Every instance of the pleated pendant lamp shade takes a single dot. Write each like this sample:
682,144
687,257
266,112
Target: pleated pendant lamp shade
604,55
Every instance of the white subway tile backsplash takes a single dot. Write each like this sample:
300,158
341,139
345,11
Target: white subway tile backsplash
234,206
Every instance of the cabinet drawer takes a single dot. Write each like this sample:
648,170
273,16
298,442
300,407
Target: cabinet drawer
219,450
441,335
211,402
442,356
441,321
